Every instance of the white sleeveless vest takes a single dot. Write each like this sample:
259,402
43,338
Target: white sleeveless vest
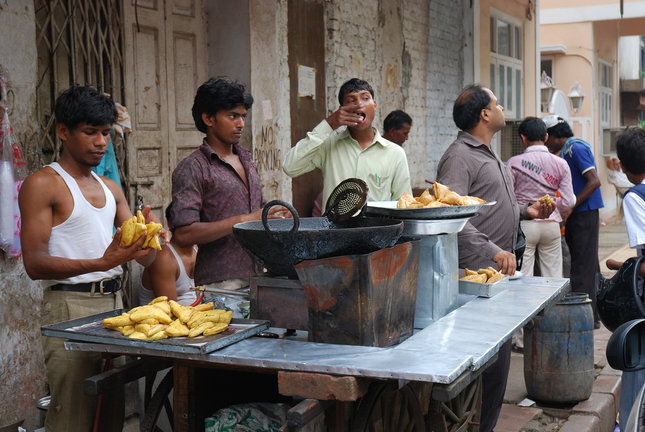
86,233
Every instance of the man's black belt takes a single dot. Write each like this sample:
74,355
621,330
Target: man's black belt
105,286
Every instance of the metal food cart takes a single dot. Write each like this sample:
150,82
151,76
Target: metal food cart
431,380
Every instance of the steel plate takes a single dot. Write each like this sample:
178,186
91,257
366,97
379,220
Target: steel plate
90,329
388,209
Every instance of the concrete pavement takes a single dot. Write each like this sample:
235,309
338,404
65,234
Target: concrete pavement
598,413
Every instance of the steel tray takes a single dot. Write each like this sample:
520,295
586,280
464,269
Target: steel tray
90,329
388,209
482,289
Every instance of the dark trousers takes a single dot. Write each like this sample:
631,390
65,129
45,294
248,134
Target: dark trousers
494,380
581,233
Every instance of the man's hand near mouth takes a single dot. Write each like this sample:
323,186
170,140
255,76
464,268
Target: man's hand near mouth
345,116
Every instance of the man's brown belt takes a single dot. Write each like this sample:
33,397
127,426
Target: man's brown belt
106,286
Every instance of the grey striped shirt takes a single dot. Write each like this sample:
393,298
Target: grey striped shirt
469,167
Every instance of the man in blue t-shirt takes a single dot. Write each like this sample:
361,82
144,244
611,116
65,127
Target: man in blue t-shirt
581,229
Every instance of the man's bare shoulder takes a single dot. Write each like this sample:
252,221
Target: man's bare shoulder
44,182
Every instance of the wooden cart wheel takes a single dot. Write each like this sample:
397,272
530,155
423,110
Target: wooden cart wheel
388,408
460,414
160,400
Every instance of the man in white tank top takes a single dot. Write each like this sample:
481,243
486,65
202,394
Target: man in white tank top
68,213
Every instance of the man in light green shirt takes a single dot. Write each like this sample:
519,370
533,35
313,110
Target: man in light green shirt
356,150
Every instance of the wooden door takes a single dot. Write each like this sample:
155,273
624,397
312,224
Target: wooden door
307,48
165,63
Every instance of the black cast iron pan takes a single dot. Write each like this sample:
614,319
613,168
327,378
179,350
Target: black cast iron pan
281,243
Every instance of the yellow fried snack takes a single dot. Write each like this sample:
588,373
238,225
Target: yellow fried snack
471,200
443,196
204,306
158,335
216,317
118,321
198,315
488,275
495,278
164,306
200,329
451,198
156,329
143,328
131,230
127,330
439,191
177,328
487,272
217,328
162,318
150,311
546,199
180,311
152,233
138,335
159,299
426,198
481,278
226,317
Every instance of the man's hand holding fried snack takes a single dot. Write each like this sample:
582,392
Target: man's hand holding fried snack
541,209
135,227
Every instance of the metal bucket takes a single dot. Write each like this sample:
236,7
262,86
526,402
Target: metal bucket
558,352
363,299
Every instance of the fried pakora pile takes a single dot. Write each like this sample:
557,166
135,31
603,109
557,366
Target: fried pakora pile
546,199
441,196
161,319
133,228
488,275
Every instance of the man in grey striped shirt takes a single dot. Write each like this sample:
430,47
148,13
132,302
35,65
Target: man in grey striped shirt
471,167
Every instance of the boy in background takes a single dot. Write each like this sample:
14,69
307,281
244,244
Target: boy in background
630,148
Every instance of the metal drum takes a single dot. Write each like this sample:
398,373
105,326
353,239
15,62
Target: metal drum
558,352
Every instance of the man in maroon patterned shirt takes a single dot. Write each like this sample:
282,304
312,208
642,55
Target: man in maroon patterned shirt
218,186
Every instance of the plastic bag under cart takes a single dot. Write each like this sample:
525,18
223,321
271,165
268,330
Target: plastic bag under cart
90,329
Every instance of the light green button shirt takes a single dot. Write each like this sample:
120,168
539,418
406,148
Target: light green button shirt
383,165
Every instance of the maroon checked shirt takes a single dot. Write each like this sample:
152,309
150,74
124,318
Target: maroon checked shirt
207,189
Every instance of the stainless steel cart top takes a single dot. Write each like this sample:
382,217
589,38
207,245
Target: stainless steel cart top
463,340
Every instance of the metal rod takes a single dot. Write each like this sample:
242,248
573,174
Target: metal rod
220,291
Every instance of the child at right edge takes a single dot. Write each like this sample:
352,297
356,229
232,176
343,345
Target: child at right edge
630,148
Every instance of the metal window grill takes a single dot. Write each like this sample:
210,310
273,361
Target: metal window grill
78,42
511,144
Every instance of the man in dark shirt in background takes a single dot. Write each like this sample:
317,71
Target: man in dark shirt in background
217,186
470,167
582,225
396,127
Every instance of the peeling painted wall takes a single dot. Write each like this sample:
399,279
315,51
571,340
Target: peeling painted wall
270,78
22,376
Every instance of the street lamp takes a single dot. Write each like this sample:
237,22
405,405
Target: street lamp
576,96
546,91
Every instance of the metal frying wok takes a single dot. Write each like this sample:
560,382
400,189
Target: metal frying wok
281,243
